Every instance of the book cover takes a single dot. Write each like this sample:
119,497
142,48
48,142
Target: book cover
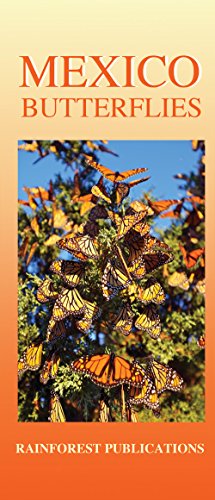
107,134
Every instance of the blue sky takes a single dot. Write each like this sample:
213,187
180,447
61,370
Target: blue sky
162,158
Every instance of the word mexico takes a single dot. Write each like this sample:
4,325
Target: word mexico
151,73
110,448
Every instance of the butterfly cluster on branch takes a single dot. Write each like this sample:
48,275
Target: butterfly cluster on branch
124,266
143,385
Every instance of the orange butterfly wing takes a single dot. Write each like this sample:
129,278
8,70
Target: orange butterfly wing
146,394
148,263
191,258
123,188
110,174
108,370
161,205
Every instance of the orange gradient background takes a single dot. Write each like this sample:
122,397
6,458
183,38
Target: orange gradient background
111,27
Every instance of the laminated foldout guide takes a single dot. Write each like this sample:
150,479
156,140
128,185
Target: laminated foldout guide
107,177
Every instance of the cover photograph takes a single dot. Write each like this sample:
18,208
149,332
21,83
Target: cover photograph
107,206
146,276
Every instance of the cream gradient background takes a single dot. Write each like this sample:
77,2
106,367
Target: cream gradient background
110,27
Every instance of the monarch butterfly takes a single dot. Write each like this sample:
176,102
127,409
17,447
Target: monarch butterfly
91,311
142,228
191,258
124,320
123,188
50,368
160,205
32,358
27,204
86,198
109,293
153,260
86,205
104,412
32,252
175,214
91,228
121,191
82,247
138,181
56,413
163,377
152,293
146,395
87,246
201,342
22,366
108,370
110,174
194,218
99,191
31,199
130,291
56,330
46,292
42,193
137,270
153,243
152,402
200,286
139,206
115,278
154,331
136,246
191,235
124,224
147,319
70,272
59,219
69,302
195,199
98,212
139,229
149,262
136,206
179,279
35,226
